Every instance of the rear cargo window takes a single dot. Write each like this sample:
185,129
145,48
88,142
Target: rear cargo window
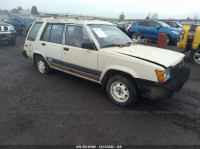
34,31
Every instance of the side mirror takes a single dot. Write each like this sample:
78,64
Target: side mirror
158,27
89,46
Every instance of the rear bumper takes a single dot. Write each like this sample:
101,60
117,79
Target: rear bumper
165,90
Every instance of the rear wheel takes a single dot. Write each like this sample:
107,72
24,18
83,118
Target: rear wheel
122,91
42,65
195,56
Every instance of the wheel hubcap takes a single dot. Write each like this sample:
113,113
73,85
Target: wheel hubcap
41,66
119,91
197,57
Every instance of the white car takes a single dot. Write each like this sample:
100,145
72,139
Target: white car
98,51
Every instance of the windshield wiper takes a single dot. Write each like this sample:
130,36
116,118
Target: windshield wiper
111,45
118,45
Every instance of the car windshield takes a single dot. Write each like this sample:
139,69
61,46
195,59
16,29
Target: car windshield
109,35
27,17
164,24
179,25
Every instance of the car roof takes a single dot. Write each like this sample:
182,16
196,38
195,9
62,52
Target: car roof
75,21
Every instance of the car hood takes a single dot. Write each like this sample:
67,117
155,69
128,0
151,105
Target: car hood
159,56
3,24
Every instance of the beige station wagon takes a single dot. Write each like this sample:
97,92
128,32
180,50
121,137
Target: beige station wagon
98,51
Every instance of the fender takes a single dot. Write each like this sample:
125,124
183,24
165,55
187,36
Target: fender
119,68
40,53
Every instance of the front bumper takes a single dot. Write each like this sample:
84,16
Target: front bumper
165,90
7,36
176,39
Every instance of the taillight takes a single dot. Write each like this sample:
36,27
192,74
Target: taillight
182,34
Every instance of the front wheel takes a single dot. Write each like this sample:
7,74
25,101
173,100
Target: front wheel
42,65
169,40
122,91
195,56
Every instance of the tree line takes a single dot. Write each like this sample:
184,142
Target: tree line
34,10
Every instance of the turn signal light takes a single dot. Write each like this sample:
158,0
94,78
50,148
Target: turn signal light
160,75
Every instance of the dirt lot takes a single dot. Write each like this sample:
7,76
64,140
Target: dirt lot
62,109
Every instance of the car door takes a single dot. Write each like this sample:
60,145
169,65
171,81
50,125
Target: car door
153,32
142,28
30,44
51,43
77,57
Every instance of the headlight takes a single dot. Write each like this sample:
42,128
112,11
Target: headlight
175,32
10,27
163,75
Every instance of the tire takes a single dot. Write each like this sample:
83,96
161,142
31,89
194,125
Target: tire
195,56
169,40
134,36
42,65
12,42
121,91
24,31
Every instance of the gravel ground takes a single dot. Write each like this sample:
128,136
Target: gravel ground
62,109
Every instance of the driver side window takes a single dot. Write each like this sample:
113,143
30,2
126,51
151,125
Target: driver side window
76,36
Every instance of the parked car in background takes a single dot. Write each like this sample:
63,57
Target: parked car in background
21,23
152,28
174,24
98,51
190,40
7,33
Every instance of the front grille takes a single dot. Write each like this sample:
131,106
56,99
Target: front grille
2,36
176,69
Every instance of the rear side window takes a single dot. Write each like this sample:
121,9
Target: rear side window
53,33
145,24
47,33
34,31
152,24
57,33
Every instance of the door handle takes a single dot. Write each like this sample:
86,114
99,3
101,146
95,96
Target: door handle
44,44
66,49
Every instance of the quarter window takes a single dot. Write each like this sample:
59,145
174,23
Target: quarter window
34,31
